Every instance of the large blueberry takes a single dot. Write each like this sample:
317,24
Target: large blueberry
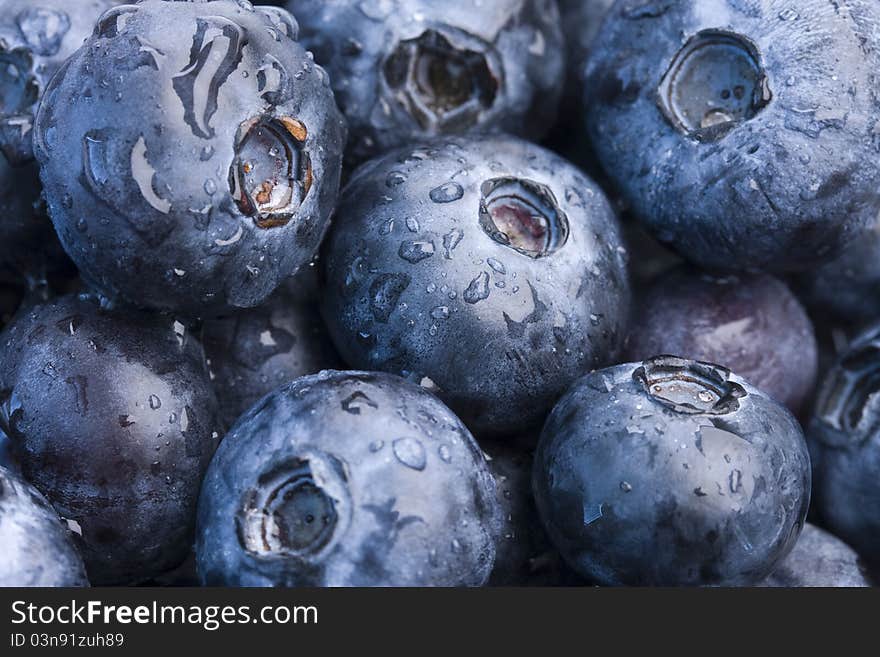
487,269
253,352
844,439
348,479
819,560
222,185
38,549
112,417
417,68
749,323
671,472
744,133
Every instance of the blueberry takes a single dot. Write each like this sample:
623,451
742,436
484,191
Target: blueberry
222,186
742,133
671,472
36,38
112,418
488,269
749,323
844,439
427,67
347,479
847,289
38,549
253,352
524,555
819,560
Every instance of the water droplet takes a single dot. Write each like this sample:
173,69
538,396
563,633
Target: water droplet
735,481
478,289
412,225
356,402
215,53
179,332
592,512
410,452
452,240
376,445
625,486
144,174
445,454
394,179
447,193
440,312
415,251
210,187
385,293
155,402
496,265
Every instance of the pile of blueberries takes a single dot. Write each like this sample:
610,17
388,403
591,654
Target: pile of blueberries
440,292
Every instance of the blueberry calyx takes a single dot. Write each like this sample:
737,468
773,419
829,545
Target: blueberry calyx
715,82
523,215
688,386
852,388
441,85
271,175
298,508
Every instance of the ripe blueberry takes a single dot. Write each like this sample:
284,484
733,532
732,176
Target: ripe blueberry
671,472
749,323
347,479
112,417
427,68
222,186
487,269
741,133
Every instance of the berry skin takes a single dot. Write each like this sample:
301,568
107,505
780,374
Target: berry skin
671,472
749,323
38,549
844,439
253,352
819,560
487,269
742,135
224,184
347,479
112,418
431,67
